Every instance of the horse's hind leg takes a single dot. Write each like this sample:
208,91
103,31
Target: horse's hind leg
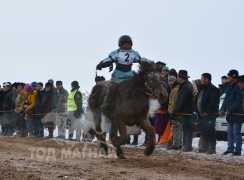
150,132
118,141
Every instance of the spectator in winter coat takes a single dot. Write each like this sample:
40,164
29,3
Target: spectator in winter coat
75,110
59,106
233,108
207,108
173,72
184,107
29,107
47,106
162,117
197,87
19,109
165,73
8,106
38,125
241,81
176,122
224,85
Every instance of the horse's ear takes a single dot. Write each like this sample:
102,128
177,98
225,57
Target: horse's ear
158,67
142,63
146,64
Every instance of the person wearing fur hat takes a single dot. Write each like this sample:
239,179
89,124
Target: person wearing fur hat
47,107
233,108
75,110
29,108
184,108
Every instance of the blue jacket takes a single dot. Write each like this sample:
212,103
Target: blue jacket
233,104
124,60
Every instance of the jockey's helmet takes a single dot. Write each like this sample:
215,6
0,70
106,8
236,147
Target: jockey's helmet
124,38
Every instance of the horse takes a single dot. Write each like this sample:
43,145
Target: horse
131,106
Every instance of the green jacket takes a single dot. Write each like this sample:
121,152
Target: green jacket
59,102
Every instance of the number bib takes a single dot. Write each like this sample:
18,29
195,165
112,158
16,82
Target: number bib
126,57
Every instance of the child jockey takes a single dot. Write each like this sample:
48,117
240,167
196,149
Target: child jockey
124,57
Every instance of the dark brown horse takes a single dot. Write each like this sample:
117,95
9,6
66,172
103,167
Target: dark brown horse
131,106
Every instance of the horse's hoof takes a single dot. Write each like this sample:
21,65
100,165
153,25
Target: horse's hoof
121,156
148,153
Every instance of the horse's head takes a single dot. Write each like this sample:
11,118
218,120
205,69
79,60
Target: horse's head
153,81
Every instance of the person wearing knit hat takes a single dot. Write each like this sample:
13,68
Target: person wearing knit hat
51,81
165,73
75,84
173,72
172,78
33,84
28,88
233,105
75,109
29,108
176,122
8,84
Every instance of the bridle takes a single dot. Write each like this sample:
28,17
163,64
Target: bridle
149,90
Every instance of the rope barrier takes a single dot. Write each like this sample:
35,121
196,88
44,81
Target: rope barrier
33,114
183,114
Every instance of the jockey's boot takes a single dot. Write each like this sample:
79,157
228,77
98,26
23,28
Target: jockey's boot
109,99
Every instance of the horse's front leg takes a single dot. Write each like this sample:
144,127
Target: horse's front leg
121,140
150,132
98,132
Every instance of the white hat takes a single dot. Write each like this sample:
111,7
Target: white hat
7,84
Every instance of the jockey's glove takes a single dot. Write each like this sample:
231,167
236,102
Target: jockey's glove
99,67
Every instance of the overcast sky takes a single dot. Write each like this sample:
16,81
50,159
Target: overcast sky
65,39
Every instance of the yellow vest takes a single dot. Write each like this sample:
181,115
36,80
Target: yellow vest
71,101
